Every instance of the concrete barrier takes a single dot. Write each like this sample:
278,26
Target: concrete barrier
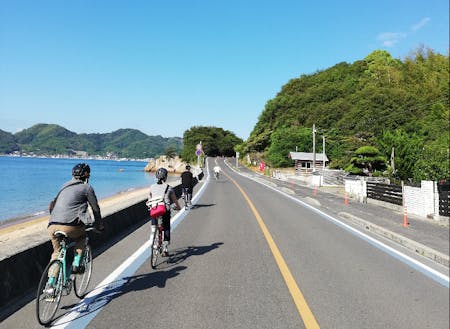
20,273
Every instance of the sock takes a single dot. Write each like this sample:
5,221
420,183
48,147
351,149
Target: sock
52,280
76,260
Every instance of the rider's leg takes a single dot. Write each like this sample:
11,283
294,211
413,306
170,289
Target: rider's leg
166,228
152,231
78,234
190,195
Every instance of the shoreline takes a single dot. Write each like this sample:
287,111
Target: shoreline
31,219
41,215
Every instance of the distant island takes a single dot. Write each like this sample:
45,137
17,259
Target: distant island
51,140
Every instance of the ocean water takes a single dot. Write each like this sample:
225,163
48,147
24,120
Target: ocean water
28,184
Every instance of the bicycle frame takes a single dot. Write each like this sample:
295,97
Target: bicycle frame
186,196
49,294
156,244
62,256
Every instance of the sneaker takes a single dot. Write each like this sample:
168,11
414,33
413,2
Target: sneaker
165,252
49,291
78,269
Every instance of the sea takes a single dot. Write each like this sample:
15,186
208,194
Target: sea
27,184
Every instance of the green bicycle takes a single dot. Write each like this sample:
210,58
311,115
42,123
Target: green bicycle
49,295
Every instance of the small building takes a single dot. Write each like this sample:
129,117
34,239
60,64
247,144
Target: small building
303,161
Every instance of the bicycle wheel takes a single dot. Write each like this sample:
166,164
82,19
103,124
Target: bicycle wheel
155,250
49,295
82,279
185,199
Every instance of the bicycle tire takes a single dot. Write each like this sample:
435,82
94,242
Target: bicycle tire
155,249
47,304
185,199
81,280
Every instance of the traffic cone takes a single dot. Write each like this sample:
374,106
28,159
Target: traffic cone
405,217
346,198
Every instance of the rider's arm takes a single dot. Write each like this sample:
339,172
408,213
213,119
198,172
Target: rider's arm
174,200
93,202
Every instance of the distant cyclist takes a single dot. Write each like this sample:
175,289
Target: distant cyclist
187,184
165,191
217,171
70,213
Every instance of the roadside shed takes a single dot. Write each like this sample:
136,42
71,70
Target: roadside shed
303,161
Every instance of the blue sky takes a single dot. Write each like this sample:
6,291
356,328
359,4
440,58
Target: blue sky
95,66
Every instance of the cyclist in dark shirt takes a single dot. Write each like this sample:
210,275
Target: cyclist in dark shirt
187,183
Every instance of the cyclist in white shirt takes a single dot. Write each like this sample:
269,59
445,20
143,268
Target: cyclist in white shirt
217,170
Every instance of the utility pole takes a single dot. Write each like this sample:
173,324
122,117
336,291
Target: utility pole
323,152
314,147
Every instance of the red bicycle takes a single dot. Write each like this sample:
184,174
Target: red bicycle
156,246
157,243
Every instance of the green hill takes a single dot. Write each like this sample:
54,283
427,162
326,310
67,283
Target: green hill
51,139
378,101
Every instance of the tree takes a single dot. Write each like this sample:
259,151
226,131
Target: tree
368,160
171,152
215,142
285,140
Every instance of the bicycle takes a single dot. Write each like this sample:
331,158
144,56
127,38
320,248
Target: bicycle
186,197
49,295
156,248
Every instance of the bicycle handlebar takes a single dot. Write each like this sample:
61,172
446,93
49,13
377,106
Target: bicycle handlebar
93,229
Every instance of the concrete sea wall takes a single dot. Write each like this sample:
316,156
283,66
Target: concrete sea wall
20,273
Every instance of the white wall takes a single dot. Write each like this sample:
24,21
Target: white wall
421,201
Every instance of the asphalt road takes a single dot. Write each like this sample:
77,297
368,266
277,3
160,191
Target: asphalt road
247,257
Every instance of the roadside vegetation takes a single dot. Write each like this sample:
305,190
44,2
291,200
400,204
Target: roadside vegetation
368,111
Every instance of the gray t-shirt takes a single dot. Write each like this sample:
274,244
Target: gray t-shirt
72,204
157,190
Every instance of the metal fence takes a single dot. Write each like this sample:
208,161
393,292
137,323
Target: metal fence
443,190
385,192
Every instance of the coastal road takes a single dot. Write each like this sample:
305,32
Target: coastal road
246,256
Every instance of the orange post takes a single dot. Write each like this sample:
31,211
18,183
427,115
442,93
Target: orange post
405,217
346,198
315,190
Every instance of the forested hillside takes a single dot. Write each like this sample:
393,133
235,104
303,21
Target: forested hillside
378,101
215,142
50,139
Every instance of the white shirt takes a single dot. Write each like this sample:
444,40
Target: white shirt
216,169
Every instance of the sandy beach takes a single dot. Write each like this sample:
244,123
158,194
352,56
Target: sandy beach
14,237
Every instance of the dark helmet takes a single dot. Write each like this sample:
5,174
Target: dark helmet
188,166
81,171
161,174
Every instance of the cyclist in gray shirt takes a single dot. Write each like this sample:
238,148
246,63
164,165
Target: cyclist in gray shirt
70,212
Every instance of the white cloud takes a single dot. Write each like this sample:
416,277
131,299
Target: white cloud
424,21
390,39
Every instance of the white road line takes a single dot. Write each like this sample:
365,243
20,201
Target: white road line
428,271
88,308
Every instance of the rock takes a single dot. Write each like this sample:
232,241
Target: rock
173,165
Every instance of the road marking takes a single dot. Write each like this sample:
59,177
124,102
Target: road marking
424,269
302,306
88,308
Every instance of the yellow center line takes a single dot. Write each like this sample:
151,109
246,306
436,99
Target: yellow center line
302,306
